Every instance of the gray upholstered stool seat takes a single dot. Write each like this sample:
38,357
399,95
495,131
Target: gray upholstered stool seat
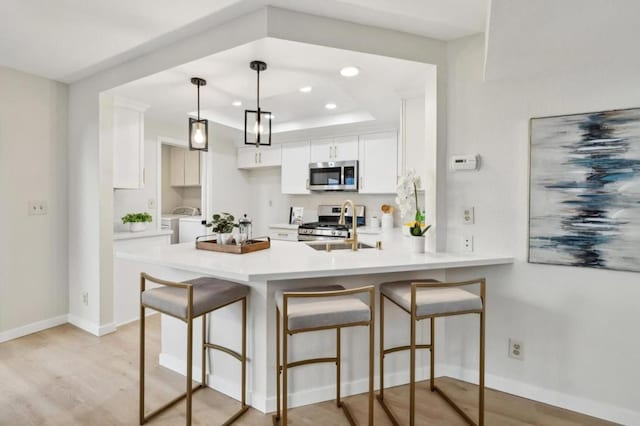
208,294
431,301
312,312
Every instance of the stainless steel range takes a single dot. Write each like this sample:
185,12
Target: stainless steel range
327,227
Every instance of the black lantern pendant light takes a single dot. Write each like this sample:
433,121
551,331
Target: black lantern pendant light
257,123
198,128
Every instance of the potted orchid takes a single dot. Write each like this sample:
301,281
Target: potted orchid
407,200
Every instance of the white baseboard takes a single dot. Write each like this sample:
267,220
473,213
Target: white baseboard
25,330
296,399
91,327
586,406
129,321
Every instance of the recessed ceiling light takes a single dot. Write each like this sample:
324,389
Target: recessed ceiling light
236,103
330,106
350,71
306,89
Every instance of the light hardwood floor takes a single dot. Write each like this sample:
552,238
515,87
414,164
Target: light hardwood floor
64,376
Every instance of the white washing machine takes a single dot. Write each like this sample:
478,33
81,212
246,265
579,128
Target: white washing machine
172,220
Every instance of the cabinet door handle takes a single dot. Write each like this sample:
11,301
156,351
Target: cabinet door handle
255,157
361,182
307,183
260,157
335,151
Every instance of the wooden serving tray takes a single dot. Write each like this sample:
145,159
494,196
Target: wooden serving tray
208,242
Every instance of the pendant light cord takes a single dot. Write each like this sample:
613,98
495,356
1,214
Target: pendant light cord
198,101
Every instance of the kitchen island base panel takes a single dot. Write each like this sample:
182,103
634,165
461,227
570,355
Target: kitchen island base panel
315,383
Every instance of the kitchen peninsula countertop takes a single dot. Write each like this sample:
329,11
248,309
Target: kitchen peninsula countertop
296,260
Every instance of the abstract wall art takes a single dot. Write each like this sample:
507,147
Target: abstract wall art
584,194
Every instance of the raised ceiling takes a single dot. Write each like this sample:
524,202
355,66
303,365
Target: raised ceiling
372,95
68,40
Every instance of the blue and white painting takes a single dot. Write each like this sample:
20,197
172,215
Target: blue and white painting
584,207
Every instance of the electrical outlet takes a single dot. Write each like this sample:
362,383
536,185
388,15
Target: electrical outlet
468,216
85,298
467,243
151,204
516,349
37,208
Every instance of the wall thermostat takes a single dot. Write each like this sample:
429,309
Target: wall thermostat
465,162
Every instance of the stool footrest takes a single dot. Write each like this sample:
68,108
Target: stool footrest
347,413
310,361
236,416
224,349
170,404
387,410
454,405
405,348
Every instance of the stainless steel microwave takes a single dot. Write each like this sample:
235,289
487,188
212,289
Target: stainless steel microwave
333,176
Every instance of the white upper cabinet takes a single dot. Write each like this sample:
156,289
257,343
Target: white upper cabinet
185,167
378,163
127,120
250,157
412,147
295,167
334,149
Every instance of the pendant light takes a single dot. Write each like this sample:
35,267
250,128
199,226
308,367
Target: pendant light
257,123
198,128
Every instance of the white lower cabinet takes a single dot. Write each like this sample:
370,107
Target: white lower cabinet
190,229
378,162
250,157
295,168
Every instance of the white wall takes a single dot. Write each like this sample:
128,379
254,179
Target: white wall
578,325
33,166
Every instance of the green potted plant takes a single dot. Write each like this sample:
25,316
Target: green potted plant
407,200
137,221
222,225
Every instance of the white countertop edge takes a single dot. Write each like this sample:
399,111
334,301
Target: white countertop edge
117,236
249,278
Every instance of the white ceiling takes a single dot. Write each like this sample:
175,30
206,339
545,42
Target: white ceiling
373,95
67,40
550,37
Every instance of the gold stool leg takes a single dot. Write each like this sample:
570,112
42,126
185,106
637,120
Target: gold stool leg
284,371
412,367
189,368
278,370
372,323
381,395
481,368
244,352
142,353
205,340
432,367
338,355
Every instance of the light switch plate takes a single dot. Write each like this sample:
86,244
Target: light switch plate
468,216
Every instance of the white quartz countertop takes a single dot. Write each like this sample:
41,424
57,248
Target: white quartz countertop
295,260
283,226
143,234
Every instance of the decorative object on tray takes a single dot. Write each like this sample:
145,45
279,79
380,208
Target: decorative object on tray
584,194
387,217
407,200
244,228
137,221
222,225
209,242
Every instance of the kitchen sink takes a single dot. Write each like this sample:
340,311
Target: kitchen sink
322,246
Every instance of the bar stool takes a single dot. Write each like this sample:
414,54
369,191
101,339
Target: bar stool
431,299
321,308
186,301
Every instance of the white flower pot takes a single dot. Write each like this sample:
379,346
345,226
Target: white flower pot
224,238
418,244
137,226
